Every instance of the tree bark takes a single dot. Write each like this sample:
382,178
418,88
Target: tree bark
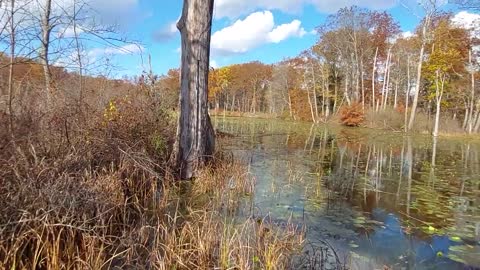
387,78
11,67
79,55
471,118
362,72
290,104
310,102
477,122
315,105
407,94
45,45
335,94
373,78
195,140
439,86
426,25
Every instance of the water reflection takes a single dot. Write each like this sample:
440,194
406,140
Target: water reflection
380,198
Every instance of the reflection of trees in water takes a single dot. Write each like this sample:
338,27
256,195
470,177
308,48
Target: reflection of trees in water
423,179
419,181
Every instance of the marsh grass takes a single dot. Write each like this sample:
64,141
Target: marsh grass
97,193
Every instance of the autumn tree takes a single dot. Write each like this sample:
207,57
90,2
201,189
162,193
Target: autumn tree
219,82
279,96
446,61
424,34
169,88
351,41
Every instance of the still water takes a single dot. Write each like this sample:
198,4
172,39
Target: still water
382,200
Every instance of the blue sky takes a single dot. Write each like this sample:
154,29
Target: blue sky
243,30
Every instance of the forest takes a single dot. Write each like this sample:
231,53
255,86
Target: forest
361,62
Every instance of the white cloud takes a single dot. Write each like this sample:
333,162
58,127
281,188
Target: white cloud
407,34
128,49
287,30
69,32
236,8
213,64
104,11
255,30
467,20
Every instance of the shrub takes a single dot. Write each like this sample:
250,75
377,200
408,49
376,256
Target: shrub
352,116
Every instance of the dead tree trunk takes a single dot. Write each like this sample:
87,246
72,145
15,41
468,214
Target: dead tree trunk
373,78
11,67
425,29
195,141
471,119
45,43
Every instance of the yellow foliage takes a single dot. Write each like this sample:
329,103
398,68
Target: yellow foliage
111,112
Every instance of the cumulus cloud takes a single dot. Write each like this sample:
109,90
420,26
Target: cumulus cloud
467,20
69,32
236,8
255,30
166,33
127,49
287,30
120,12
407,34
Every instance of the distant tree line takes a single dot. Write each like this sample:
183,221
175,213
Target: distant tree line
361,57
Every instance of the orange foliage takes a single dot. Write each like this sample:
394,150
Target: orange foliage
352,116
300,106
400,108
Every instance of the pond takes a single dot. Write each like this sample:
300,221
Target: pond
382,200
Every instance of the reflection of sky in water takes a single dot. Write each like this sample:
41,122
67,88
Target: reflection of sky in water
354,191
392,244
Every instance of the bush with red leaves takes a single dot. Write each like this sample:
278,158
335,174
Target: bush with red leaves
352,116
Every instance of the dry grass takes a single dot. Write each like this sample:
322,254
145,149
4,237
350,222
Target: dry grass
394,120
93,191
389,119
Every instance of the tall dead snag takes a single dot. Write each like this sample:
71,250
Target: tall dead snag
195,141
45,46
430,10
12,26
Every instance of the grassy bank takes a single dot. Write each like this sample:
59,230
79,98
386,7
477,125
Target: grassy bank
92,189
389,120
244,114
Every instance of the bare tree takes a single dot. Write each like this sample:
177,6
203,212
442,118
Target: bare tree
47,27
195,141
280,89
12,62
430,8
